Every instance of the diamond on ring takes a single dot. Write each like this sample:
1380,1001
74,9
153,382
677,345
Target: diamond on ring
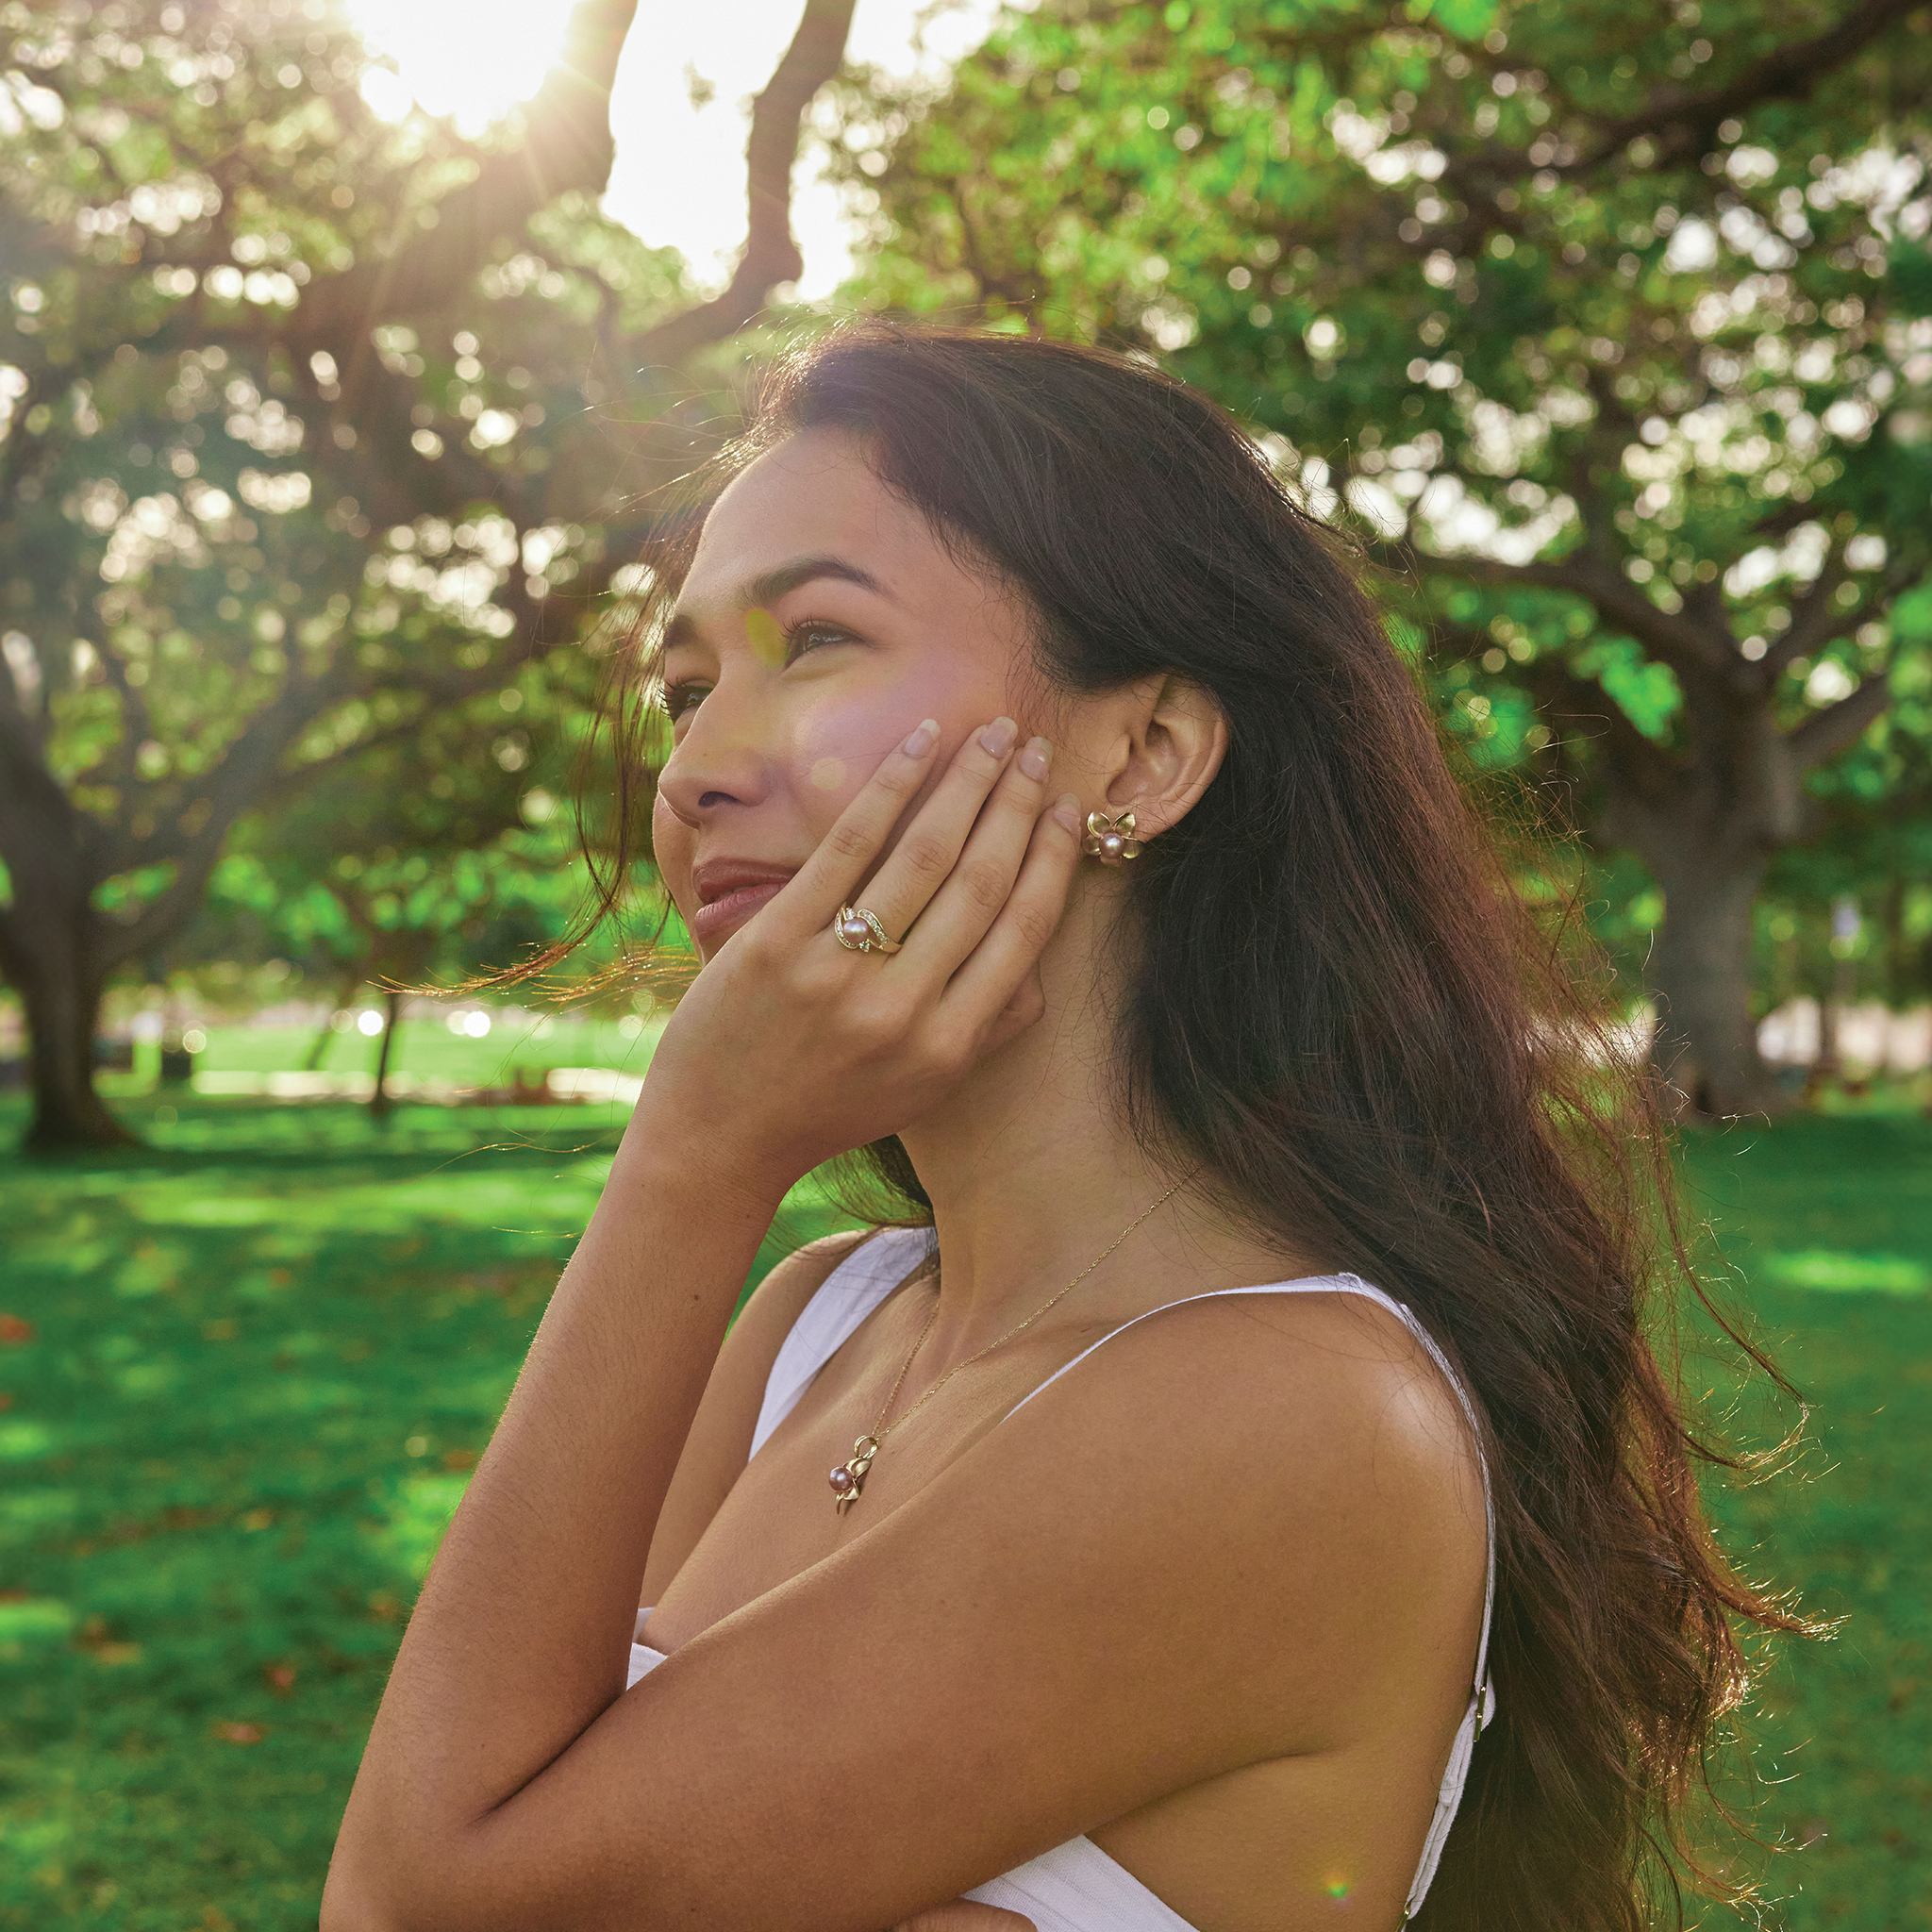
860,931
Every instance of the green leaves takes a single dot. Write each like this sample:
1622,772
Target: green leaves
1468,20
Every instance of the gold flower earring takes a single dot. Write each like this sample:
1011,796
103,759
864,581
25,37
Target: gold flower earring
1111,839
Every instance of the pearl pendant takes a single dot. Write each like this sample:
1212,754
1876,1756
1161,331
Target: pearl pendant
848,1479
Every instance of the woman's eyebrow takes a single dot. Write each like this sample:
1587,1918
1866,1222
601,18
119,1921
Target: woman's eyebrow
773,584
769,586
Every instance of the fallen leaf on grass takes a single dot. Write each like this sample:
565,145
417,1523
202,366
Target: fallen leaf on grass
13,1331
281,1678
96,1637
239,1734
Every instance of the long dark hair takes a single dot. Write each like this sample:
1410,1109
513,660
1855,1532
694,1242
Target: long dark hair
1335,1004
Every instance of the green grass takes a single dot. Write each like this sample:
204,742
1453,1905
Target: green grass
1827,1227
265,1349
263,1353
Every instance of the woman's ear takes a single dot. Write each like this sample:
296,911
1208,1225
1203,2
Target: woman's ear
1176,742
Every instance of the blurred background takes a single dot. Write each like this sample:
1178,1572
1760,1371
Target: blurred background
346,350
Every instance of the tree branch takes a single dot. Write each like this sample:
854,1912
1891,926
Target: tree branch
1830,622
771,256
1839,726
136,725
1684,123
567,144
1815,619
1613,597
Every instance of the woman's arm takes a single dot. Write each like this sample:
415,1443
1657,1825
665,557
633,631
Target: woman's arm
520,1638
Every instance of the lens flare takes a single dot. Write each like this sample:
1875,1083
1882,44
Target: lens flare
767,637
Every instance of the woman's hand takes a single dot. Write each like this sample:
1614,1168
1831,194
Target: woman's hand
790,1048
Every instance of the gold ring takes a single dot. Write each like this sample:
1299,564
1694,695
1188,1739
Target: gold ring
860,931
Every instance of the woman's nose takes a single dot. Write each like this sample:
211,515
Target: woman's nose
717,764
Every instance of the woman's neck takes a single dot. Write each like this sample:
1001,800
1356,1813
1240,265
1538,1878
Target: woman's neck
1032,1169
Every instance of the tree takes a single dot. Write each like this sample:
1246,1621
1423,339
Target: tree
1606,324
297,453
1848,915
422,859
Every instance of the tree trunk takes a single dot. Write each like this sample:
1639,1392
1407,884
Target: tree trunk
1700,976
1826,1064
380,1105
60,990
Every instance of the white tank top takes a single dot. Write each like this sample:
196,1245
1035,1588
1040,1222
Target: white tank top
1076,1887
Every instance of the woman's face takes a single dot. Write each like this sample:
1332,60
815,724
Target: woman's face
821,622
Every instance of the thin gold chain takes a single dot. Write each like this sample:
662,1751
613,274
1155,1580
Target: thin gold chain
880,1429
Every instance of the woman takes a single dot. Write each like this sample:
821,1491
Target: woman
1053,820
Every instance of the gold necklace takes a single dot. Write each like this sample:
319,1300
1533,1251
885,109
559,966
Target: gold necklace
848,1479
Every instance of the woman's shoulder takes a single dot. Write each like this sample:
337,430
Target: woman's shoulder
1313,1439
1332,1335
1326,1404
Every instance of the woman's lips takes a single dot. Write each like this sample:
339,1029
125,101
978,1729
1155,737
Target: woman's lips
716,920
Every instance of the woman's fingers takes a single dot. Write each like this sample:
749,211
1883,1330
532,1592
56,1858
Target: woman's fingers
974,887
929,853
995,993
978,883
827,879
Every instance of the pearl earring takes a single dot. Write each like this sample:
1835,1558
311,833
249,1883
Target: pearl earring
1111,839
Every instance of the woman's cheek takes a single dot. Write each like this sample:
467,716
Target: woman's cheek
670,846
838,750
840,744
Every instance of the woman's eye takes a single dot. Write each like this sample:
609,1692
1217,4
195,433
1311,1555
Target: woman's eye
681,699
809,636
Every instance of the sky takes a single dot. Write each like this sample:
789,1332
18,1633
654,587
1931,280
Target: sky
678,178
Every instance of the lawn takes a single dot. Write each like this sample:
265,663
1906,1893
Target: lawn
246,1369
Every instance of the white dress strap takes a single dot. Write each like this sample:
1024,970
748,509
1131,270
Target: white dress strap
1481,1708
846,1296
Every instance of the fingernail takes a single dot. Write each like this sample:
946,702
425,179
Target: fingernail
997,739
922,739
1068,811
1037,759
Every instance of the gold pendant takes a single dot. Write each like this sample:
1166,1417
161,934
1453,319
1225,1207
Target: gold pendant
848,1479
